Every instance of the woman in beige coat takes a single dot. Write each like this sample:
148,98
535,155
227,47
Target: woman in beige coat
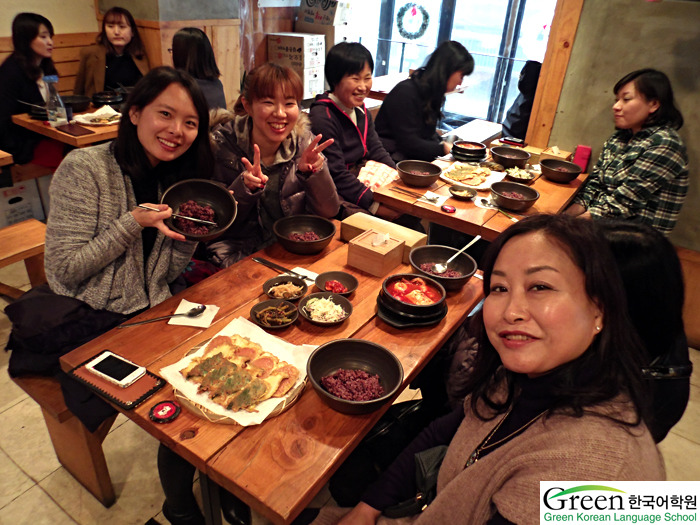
118,59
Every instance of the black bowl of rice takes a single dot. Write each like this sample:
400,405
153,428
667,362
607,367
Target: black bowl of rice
354,376
201,199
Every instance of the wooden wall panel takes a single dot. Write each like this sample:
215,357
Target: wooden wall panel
226,41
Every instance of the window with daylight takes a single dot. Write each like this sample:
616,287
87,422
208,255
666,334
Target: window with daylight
501,35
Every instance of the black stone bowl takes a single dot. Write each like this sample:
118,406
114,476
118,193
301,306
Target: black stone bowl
111,98
398,306
346,279
433,253
510,157
559,170
411,172
79,103
286,226
497,194
467,148
205,193
281,279
355,354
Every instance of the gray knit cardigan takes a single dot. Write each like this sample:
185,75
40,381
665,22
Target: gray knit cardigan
94,250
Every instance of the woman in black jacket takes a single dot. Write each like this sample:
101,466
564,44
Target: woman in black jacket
22,81
408,117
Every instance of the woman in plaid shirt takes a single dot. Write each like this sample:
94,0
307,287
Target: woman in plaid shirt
642,172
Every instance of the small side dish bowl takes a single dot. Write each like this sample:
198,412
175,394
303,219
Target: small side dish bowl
346,279
521,176
418,173
354,354
510,157
288,313
433,253
205,193
462,192
333,297
285,227
559,170
503,192
282,279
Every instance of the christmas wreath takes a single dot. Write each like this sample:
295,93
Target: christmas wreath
414,9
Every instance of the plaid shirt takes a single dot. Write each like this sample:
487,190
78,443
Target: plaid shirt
641,176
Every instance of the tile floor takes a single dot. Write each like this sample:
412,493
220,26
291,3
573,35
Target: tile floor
35,489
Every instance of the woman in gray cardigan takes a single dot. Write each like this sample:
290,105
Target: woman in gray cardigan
101,248
106,259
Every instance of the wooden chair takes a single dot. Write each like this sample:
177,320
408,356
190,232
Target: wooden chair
23,241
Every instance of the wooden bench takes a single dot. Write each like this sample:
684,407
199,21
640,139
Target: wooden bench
690,261
77,449
23,241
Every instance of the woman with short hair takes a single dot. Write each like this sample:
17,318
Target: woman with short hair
642,172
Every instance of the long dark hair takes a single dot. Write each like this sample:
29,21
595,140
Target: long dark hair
653,281
113,16
346,58
449,58
655,85
264,81
25,28
612,363
192,52
197,161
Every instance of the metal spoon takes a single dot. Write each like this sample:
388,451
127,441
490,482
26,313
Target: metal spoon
442,268
194,312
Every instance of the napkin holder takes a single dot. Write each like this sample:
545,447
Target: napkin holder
376,260
358,223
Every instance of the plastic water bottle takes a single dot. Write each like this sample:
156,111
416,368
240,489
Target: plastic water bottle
55,109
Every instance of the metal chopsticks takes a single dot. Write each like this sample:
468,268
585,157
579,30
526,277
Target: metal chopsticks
202,221
413,194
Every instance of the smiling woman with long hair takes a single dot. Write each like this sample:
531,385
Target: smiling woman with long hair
555,393
106,258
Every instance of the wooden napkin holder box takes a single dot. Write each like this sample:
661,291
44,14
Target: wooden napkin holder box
358,223
375,260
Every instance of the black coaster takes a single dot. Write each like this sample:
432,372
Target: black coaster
164,412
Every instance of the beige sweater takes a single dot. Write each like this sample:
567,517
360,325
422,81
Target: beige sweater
507,479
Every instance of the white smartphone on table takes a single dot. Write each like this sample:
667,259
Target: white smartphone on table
115,369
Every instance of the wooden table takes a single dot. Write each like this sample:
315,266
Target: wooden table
101,133
279,466
5,158
470,218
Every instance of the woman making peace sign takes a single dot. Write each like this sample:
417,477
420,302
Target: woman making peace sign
288,174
